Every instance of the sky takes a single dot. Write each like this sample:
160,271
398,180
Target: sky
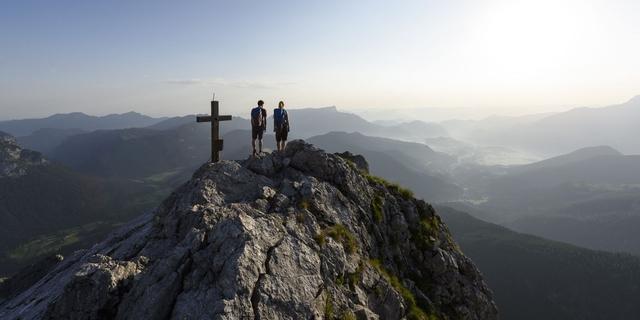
465,58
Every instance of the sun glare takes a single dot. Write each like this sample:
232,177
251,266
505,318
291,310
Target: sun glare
525,40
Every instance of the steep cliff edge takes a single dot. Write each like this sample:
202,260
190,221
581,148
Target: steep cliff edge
15,161
300,235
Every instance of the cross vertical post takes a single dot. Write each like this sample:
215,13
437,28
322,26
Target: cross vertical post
215,132
215,118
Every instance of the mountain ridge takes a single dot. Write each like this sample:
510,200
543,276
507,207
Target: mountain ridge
77,120
300,234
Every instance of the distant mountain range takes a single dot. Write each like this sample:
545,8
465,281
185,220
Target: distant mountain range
554,134
590,197
308,122
143,153
78,121
533,278
311,122
541,134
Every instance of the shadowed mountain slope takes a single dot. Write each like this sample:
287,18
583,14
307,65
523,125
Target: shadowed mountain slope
535,278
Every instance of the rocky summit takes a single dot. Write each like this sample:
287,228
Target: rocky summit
298,235
15,161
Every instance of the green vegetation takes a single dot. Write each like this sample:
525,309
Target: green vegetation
426,233
414,311
404,192
328,307
341,234
376,180
53,243
330,312
393,187
424,209
320,238
351,163
377,208
348,315
356,277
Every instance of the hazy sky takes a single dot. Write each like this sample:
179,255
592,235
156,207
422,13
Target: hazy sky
166,57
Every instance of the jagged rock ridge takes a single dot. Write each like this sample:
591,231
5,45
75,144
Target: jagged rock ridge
15,161
300,235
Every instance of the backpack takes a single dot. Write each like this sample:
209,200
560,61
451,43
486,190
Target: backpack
279,117
256,117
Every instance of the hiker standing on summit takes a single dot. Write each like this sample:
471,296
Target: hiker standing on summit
281,125
258,126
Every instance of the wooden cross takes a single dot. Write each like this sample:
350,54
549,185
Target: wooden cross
214,118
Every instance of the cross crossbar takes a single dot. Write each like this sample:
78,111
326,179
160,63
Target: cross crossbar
215,118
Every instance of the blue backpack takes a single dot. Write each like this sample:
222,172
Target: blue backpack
256,117
279,116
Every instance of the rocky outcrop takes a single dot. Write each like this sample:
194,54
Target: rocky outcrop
298,235
358,160
27,276
15,161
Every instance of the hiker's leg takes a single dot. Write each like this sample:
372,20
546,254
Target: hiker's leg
285,135
254,136
253,144
260,145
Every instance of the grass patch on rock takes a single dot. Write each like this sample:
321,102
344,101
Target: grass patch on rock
348,315
393,187
377,208
426,233
414,312
328,307
341,234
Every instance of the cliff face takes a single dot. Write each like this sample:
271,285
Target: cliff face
15,161
300,235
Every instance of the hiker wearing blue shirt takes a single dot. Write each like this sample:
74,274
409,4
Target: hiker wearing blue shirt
258,126
281,125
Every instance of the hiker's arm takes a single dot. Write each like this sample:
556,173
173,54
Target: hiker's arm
286,117
264,119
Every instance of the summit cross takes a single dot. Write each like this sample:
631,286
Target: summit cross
214,118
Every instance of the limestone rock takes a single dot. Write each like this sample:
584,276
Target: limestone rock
15,161
358,160
284,236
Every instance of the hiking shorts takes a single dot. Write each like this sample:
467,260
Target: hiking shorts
281,133
257,132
